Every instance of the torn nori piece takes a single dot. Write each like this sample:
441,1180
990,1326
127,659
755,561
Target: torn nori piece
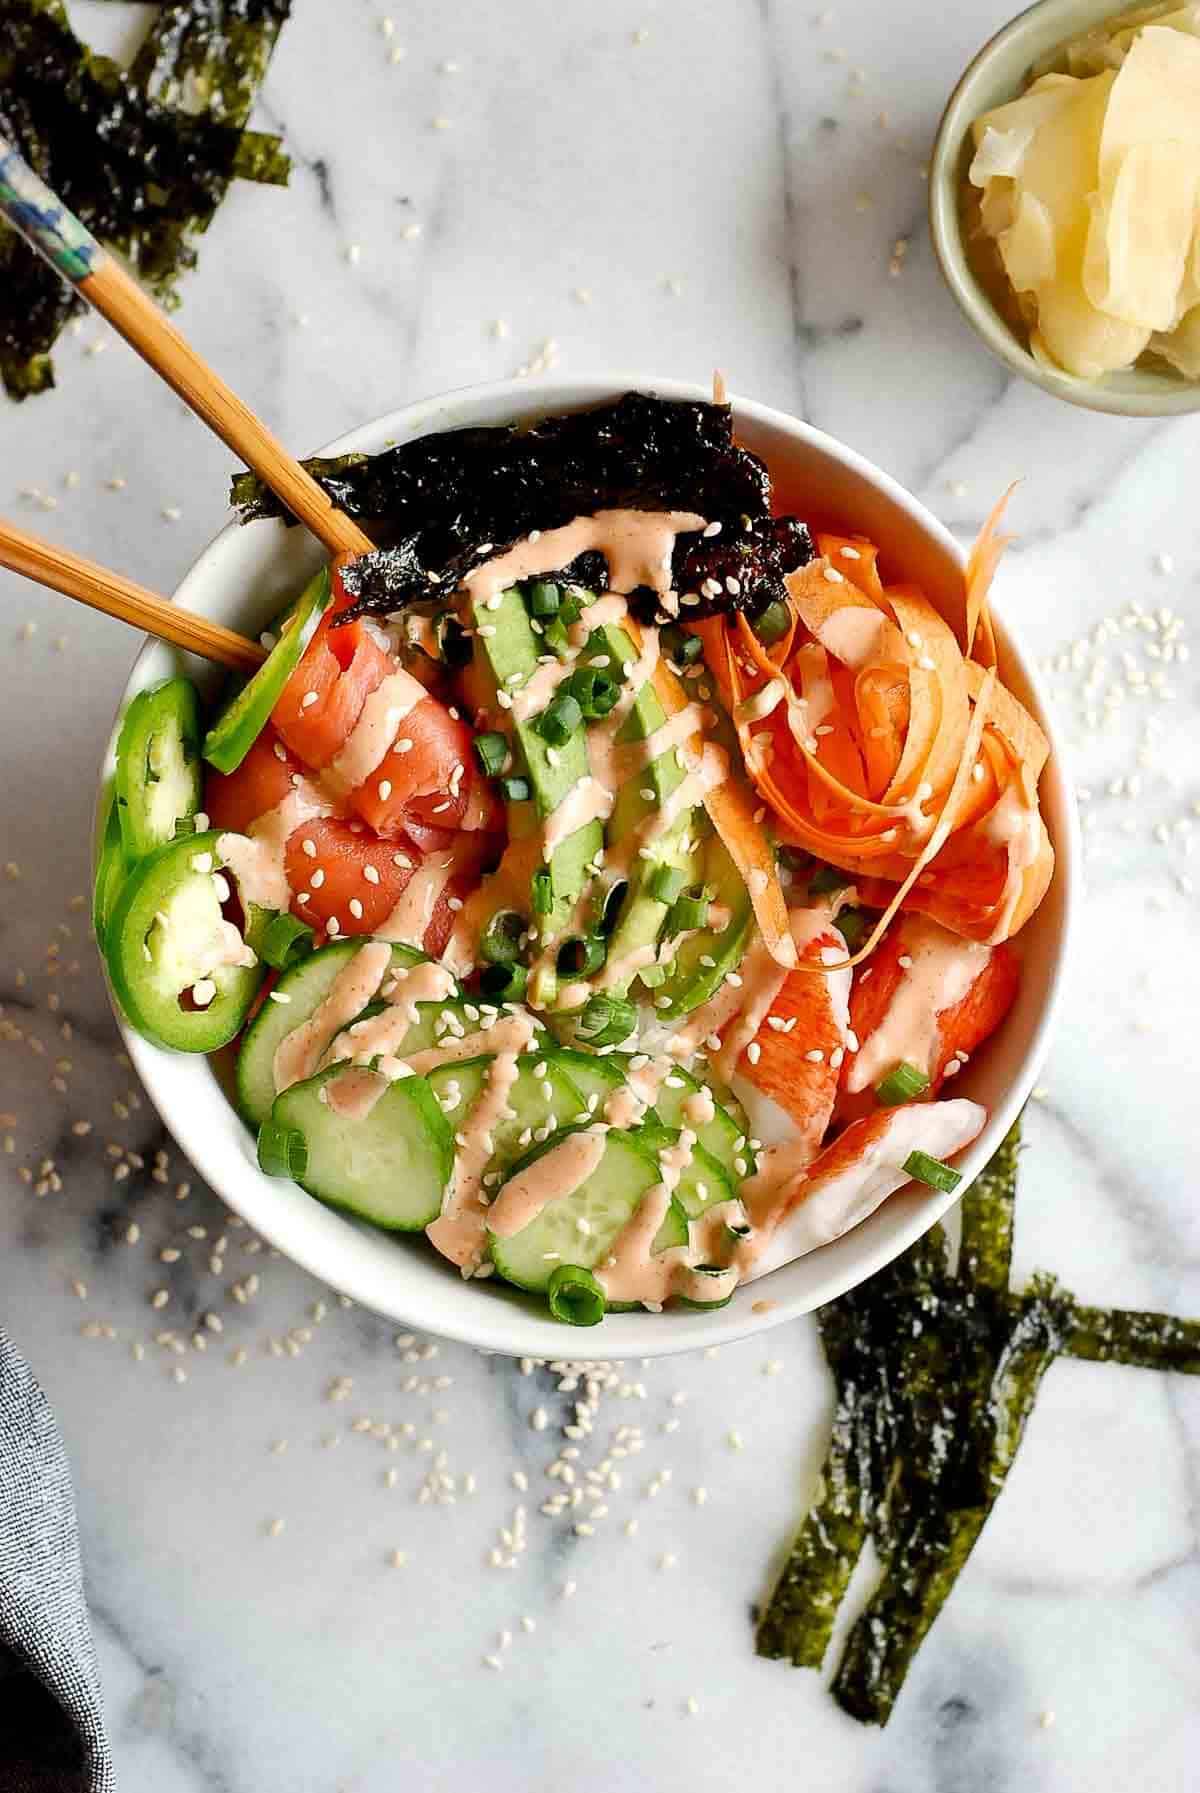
450,500
936,1375
210,56
145,178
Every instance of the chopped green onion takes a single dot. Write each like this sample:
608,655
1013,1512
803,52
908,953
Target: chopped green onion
594,690
560,719
614,896
504,983
502,937
282,1151
774,622
606,1020
454,644
653,975
924,1169
581,955
828,878
901,1085
666,882
575,1296
679,646
852,925
544,598
689,912
184,825
555,637
515,790
285,942
570,609
543,892
690,1301
492,753
794,859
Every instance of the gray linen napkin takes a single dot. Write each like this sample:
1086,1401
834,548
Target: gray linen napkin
51,1729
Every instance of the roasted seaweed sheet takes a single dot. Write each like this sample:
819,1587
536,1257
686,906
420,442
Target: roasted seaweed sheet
144,157
445,501
936,1373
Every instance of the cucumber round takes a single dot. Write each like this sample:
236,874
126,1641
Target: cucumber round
704,1181
391,1166
529,1107
590,1075
606,1202
724,1136
305,988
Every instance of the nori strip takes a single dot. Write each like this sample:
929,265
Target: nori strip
1123,1335
987,1209
973,1448
145,178
936,1377
209,55
447,500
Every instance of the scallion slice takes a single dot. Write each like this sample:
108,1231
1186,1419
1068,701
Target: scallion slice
502,937
582,955
901,1085
544,598
282,1151
184,825
606,1020
555,637
515,790
594,690
677,645
575,1296
666,883
852,925
543,892
505,983
614,896
561,718
492,753
285,942
653,975
774,622
924,1169
689,912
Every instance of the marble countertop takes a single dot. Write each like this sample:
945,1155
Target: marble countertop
654,187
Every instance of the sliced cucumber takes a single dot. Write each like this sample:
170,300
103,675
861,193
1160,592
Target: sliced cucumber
300,993
724,1136
390,1166
549,1100
605,1202
704,1183
591,1076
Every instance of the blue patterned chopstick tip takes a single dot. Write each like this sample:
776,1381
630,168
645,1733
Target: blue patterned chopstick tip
42,219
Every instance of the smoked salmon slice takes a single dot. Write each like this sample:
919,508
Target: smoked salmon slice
265,777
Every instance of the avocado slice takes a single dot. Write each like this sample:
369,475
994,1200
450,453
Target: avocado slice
641,916
705,958
510,650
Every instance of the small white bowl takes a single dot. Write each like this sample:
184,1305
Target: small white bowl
242,579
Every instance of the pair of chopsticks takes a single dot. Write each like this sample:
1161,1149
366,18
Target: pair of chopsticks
47,225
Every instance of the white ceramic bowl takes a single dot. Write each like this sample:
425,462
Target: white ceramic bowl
242,579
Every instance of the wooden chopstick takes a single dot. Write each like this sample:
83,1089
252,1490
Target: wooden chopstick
117,596
73,252
148,330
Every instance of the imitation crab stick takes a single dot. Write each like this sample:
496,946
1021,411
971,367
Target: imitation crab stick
795,1056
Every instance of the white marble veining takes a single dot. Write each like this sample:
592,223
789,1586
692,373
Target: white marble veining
764,158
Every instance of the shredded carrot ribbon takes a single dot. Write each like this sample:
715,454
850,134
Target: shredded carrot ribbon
888,746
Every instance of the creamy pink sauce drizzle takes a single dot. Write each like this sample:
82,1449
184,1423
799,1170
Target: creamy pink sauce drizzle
632,1271
256,858
418,900
626,1105
512,1033
299,1052
460,1231
385,1033
353,1094
636,544
587,801
630,757
550,1178
942,971
1014,825
373,735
